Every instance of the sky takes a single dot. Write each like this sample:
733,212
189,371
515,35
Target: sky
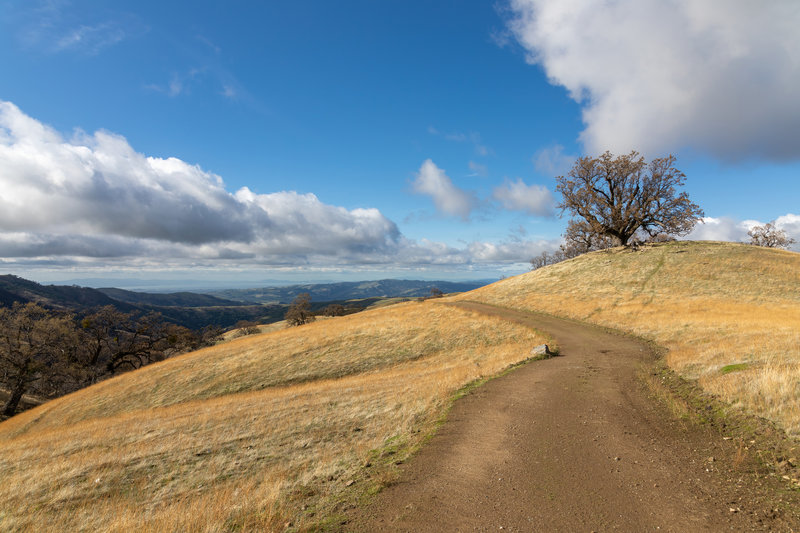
243,141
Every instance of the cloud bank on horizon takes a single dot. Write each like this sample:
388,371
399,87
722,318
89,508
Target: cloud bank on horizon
716,76
93,197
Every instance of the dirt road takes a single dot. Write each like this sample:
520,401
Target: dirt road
573,443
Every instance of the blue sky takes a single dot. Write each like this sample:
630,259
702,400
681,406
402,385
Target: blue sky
361,139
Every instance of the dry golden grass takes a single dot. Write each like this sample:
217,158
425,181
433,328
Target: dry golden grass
250,434
728,313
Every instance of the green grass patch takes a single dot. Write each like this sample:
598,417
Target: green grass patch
736,367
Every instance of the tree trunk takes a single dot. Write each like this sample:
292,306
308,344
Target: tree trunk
11,405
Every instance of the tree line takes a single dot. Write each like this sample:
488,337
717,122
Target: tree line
49,353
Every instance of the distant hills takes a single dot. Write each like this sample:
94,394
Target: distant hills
193,311
218,308
175,299
349,290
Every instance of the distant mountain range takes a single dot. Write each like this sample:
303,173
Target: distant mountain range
222,308
186,309
348,290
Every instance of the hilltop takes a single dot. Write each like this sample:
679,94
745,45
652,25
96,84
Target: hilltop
728,313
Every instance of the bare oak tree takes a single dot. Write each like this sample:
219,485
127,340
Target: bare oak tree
619,196
299,311
770,236
33,347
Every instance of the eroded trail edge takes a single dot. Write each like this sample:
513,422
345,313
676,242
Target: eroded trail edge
572,443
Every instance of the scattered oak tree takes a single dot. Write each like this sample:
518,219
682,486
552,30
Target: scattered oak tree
769,236
246,327
49,354
616,197
32,349
334,310
299,311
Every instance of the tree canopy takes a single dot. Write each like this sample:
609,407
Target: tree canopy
48,353
769,236
619,196
299,311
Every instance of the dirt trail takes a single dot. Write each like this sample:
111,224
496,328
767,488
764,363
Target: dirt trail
571,443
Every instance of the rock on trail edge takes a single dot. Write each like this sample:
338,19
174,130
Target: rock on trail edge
570,443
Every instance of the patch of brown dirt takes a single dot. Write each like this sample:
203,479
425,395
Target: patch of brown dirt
576,443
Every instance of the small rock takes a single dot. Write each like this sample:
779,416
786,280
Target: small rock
349,483
542,349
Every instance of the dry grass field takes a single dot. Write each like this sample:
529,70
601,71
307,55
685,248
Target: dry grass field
287,427
728,313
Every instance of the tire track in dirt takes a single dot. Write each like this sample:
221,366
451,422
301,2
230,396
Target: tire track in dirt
571,443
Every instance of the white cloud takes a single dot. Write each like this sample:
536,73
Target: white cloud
517,196
478,169
719,75
229,91
56,26
91,39
790,223
721,229
95,196
552,161
448,198
729,229
91,203
516,251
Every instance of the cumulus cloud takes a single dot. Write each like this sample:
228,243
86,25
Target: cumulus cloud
515,251
95,196
449,199
552,161
790,223
91,202
732,230
721,229
517,196
719,76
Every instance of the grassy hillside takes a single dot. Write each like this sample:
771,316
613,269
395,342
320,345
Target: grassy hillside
728,313
288,426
